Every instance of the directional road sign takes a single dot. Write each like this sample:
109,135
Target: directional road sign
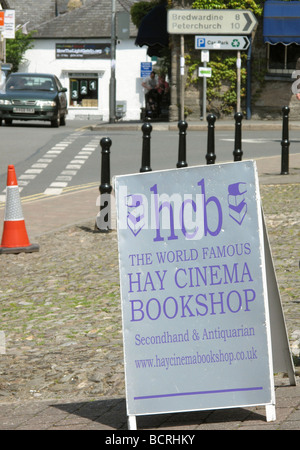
211,21
221,42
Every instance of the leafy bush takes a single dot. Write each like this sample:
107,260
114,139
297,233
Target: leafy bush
16,48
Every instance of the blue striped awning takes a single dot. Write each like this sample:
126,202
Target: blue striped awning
281,22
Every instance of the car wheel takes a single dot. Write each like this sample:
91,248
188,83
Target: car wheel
8,121
0,122
63,120
56,122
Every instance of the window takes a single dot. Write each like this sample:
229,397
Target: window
30,82
282,59
84,92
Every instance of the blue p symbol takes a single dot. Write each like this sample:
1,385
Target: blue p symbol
200,42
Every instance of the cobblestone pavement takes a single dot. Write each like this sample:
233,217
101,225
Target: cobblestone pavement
60,310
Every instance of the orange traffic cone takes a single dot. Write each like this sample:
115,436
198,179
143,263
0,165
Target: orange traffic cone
14,237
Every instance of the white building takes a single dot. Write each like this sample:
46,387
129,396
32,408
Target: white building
76,47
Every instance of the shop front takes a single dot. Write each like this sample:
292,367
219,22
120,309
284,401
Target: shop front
84,92
281,34
84,68
281,39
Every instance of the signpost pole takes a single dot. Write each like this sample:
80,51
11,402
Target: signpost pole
204,59
238,81
248,81
112,84
204,94
182,67
1,48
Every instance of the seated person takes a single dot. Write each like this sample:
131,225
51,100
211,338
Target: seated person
163,91
151,94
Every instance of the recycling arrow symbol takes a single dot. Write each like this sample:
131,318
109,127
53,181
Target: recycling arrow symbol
235,43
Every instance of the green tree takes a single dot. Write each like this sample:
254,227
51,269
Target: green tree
16,48
140,9
255,6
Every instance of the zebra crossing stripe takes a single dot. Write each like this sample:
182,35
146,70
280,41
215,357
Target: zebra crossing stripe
71,168
66,175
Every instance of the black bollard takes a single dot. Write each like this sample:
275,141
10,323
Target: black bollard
285,143
146,129
211,156
103,220
238,152
182,125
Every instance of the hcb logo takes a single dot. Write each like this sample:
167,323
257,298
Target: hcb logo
200,208
136,216
191,215
236,201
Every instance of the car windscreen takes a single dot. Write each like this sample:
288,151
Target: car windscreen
32,83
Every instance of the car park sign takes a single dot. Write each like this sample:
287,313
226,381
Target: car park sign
221,42
208,21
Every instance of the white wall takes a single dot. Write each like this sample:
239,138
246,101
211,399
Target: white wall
128,61
128,76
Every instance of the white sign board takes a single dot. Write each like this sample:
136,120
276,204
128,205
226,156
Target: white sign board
195,312
210,21
9,24
204,72
221,42
205,56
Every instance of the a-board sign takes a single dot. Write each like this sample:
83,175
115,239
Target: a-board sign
195,313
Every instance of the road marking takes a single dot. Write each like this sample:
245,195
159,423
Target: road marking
40,166
59,184
252,141
64,178
69,172
53,191
26,177
35,171
44,160
71,168
37,168
42,196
